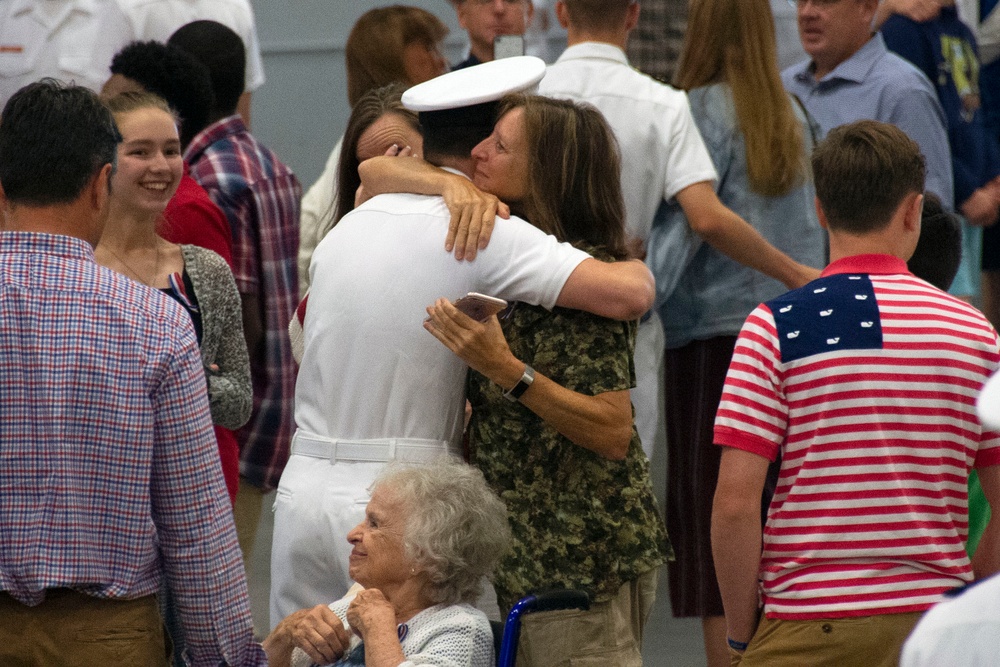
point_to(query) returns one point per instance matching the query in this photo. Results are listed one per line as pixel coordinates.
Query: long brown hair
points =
(574, 173)
(732, 42)
(374, 50)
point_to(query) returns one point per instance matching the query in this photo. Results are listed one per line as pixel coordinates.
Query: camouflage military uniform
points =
(578, 520)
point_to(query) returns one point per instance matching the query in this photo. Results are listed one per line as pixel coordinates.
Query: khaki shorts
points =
(862, 641)
(610, 633)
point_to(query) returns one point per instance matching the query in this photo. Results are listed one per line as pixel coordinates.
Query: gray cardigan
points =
(229, 391)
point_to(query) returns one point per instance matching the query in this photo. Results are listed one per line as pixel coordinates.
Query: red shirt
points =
(193, 218)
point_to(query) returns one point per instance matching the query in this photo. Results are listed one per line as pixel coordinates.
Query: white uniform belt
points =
(411, 450)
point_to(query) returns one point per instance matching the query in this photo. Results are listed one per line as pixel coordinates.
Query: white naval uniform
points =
(54, 38)
(373, 384)
(958, 631)
(662, 153)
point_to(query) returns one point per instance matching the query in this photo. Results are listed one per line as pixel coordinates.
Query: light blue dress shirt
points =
(878, 85)
(702, 293)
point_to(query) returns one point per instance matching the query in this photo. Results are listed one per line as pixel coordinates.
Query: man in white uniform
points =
(75, 40)
(663, 158)
(54, 38)
(374, 385)
(962, 629)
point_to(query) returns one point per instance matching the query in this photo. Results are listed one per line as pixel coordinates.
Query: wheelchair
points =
(506, 636)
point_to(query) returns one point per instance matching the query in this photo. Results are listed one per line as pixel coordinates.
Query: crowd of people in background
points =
(761, 234)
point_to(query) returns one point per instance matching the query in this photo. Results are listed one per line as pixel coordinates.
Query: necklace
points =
(135, 275)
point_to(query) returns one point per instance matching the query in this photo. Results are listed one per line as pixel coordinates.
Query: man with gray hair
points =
(851, 76)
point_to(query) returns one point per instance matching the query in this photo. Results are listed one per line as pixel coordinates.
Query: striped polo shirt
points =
(865, 381)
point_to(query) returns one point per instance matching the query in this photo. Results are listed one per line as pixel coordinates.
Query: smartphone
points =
(508, 46)
(479, 306)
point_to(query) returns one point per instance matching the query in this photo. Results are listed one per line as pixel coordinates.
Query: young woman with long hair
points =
(760, 140)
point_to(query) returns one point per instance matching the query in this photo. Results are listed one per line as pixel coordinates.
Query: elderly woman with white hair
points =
(430, 535)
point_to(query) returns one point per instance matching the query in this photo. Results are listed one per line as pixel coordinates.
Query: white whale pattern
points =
(793, 334)
(819, 290)
(867, 325)
(785, 309)
(826, 313)
(832, 341)
(860, 297)
(854, 278)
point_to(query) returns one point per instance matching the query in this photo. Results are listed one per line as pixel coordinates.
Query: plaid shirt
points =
(261, 198)
(654, 47)
(108, 467)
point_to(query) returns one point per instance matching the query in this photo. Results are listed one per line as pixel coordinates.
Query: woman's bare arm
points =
(600, 423)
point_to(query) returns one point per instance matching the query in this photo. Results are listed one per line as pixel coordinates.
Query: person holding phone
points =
(373, 386)
(552, 427)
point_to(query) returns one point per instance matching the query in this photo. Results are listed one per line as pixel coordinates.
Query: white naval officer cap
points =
(988, 403)
(468, 96)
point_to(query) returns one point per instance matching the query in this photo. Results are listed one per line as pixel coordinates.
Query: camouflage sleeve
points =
(586, 353)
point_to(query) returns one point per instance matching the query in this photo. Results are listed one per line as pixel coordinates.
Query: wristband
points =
(737, 646)
(522, 385)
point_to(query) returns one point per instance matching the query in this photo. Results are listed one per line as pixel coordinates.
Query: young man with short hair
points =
(260, 196)
(864, 381)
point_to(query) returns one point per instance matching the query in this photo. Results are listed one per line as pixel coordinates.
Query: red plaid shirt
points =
(261, 198)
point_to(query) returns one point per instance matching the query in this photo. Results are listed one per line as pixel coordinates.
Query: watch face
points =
(522, 385)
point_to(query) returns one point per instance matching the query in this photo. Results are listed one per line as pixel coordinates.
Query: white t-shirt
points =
(369, 369)
(662, 151)
(54, 38)
(959, 631)
(158, 19)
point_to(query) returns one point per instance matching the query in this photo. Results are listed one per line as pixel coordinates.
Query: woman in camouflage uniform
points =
(561, 450)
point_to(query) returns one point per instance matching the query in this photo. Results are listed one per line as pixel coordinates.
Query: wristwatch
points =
(522, 385)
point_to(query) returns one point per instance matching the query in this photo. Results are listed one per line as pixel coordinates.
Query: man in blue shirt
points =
(852, 76)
